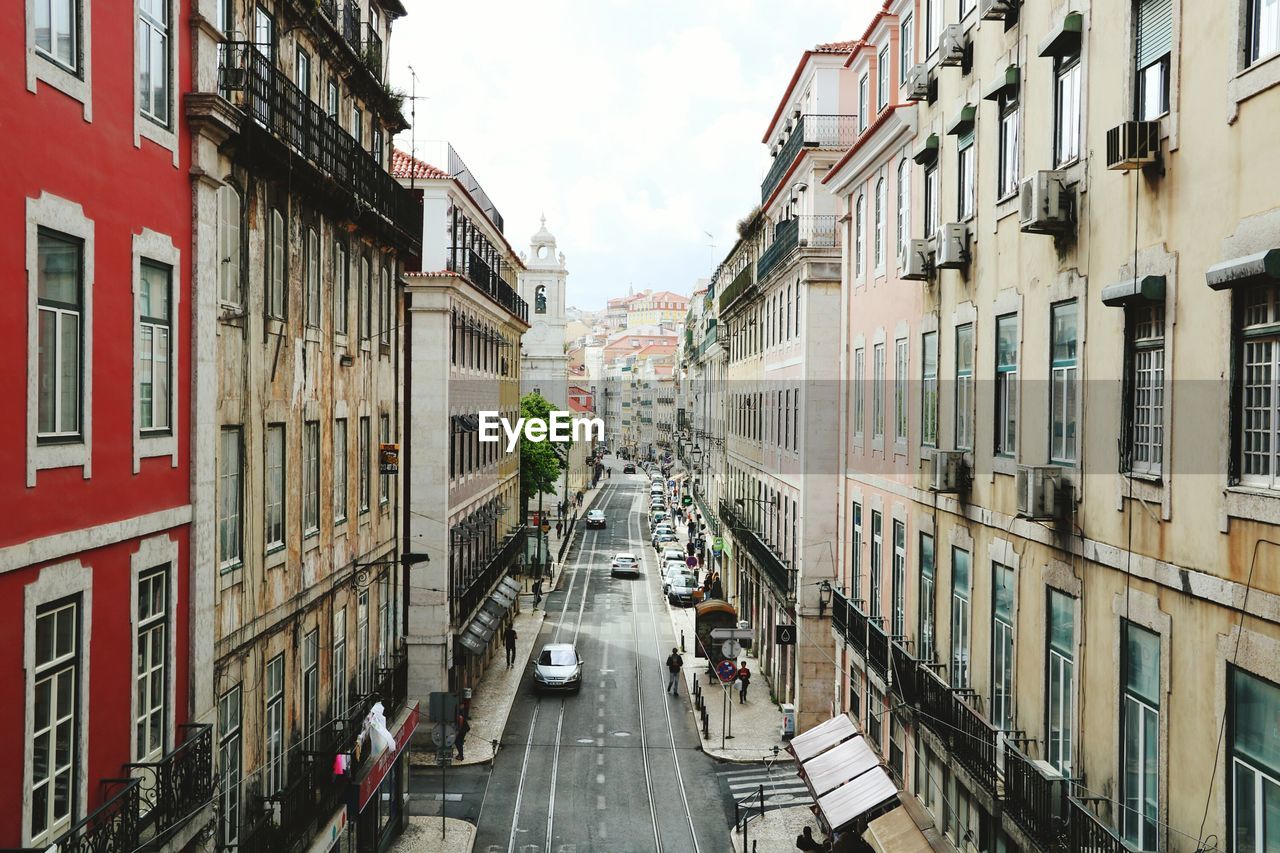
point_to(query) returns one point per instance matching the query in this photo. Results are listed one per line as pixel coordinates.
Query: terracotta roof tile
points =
(836, 46)
(405, 165)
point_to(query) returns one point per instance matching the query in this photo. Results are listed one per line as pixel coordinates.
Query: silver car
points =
(558, 668)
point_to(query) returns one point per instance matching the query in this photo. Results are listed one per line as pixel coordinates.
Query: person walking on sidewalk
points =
(461, 736)
(744, 681)
(559, 528)
(805, 841)
(509, 638)
(674, 665)
(537, 593)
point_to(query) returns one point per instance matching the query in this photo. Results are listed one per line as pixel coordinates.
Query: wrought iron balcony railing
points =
(816, 232)
(175, 788)
(849, 621)
(329, 8)
(906, 676)
(351, 24)
(470, 596)
(813, 131)
(877, 647)
(372, 54)
(272, 103)
(974, 743)
(488, 279)
(771, 565)
(113, 827)
(1088, 832)
(1036, 801)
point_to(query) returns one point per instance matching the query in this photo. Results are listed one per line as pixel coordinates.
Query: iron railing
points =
(1036, 801)
(816, 232)
(372, 54)
(771, 565)
(877, 647)
(849, 621)
(113, 827)
(974, 743)
(273, 103)
(488, 279)
(905, 673)
(172, 790)
(329, 8)
(744, 279)
(473, 594)
(463, 175)
(351, 24)
(812, 131)
(1087, 832)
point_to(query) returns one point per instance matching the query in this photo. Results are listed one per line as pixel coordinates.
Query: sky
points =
(633, 125)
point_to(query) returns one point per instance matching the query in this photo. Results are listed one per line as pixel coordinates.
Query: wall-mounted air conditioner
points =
(916, 262)
(953, 246)
(917, 83)
(1133, 144)
(996, 10)
(1038, 487)
(951, 45)
(950, 471)
(1045, 204)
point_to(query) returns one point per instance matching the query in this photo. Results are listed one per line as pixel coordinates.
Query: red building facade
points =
(95, 482)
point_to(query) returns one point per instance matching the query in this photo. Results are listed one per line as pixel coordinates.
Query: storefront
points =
(376, 802)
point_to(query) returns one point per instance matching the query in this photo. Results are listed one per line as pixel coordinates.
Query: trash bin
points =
(788, 720)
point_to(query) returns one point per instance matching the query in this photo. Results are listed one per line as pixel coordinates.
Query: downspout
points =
(404, 405)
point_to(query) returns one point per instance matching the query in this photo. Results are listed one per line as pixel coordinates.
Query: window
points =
(60, 371)
(388, 308)
(154, 327)
(882, 79)
(1154, 34)
(341, 284)
(881, 199)
(904, 207)
(363, 685)
(1140, 737)
(310, 687)
(1253, 707)
(855, 555)
(1002, 581)
(928, 607)
(863, 106)
(273, 497)
(313, 278)
(1061, 673)
(965, 175)
(230, 497)
(900, 391)
(876, 554)
(378, 147)
(339, 674)
(905, 48)
(273, 727)
(152, 663)
(1066, 109)
(302, 72)
(933, 25)
(310, 478)
(877, 392)
(875, 716)
(931, 212)
(229, 244)
(54, 745)
(1062, 384)
(859, 379)
(1264, 30)
(365, 308)
(357, 125)
(899, 592)
(1007, 174)
(340, 450)
(1258, 319)
(929, 390)
(966, 6)
(897, 754)
(264, 32)
(1006, 427)
(229, 757)
(332, 99)
(385, 627)
(276, 275)
(1146, 387)
(795, 419)
(57, 29)
(860, 237)
(384, 434)
(964, 387)
(153, 60)
(365, 462)
(959, 618)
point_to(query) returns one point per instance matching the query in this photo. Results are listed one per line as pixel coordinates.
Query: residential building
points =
(464, 320)
(105, 699)
(300, 238)
(654, 309)
(701, 402)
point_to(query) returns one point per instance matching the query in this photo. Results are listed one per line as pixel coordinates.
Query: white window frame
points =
(860, 238)
(901, 366)
(387, 314)
(273, 721)
(1260, 778)
(338, 661)
(932, 193)
(310, 687)
(311, 502)
(964, 387)
(313, 307)
(1258, 331)
(1008, 161)
(877, 390)
(67, 217)
(928, 391)
(906, 47)
(875, 577)
(156, 555)
(1006, 390)
(365, 495)
(146, 126)
(230, 748)
(879, 224)
(77, 82)
(864, 96)
(277, 295)
(1147, 716)
(1060, 670)
(904, 208)
(1255, 52)
(364, 682)
(1067, 77)
(898, 581)
(384, 480)
(1002, 650)
(226, 480)
(230, 246)
(152, 246)
(275, 452)
(341, 454)
(882, 79)
(1146, 342)
(928, 628)
(859, 390)
(966, 164)
(1064, 379)
(961, 617)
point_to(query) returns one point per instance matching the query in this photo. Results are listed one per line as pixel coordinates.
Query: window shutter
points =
(233, 244)
(277, 262)
(1155, 30)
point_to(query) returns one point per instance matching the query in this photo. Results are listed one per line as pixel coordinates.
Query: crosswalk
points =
(782, 787)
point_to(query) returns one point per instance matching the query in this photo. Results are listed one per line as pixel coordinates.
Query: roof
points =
(835, 47)
(405, 165)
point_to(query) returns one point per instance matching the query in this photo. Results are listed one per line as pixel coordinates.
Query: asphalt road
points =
(615, 767)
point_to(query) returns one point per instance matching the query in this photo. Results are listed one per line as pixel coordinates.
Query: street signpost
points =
(726, 670)
(717, 544)
(731, 634)
(731, 649)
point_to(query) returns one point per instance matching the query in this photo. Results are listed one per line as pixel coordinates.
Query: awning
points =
(1147, 288)
(896, 832)
(822, 737)
(1065, 37)
(371, 776)
(964, 121)
(833, 768)
(1006, 83)
(928, 152)
(1260, 268)
(855, 798)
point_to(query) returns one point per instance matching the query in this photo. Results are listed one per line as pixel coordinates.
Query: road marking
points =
(644, 749)
(600, 802)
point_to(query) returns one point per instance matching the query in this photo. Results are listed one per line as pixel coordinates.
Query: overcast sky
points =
(634, 125)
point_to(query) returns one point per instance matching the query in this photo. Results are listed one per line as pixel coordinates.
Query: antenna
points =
(413, 121)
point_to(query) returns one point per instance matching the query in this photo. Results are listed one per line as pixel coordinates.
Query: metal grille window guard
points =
(815, 232)
(813, 131)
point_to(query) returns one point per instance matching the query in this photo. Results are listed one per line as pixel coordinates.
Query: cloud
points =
(634, 126)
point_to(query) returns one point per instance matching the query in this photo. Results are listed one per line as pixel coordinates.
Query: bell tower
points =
(543, 363)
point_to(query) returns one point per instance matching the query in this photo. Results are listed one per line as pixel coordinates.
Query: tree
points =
(540, 465)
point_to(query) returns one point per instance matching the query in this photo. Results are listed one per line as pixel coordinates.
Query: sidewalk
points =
(422, 835)
(775, 830)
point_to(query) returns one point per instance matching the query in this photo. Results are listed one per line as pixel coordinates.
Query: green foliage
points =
(540, 465)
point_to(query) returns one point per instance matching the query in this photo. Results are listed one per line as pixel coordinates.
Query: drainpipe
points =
(404, 406)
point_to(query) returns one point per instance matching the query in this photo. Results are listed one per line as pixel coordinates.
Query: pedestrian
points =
(509, 638)
(744, 681)
(460, 737)
(559, 528)
(806, 841)
(537, 593)
(674, 664)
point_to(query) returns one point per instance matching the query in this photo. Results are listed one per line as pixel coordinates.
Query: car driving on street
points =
(625, 563)
(595, 518)
(558, 668)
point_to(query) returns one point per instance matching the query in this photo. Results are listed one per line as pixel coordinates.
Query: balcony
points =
(1036, 801)
(974, 743)
(350, 26)
(174, 789)
(488, 279)
(877, 647)
(849, 621)
(813, 131)
(813, 232)
(744, 279)
(113, 827)
(329, 8)
(1087, 832)
(281, 126)
(372, 53)
(770, 564)
(472, 594)
(906, 678)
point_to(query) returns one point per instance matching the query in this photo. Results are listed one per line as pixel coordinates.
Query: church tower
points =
(543, 363)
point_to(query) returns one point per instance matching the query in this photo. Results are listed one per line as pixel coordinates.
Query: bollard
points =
(681, 641)
(706, 732)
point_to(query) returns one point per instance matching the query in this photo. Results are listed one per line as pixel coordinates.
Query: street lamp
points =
(361, 578)
(824, 596)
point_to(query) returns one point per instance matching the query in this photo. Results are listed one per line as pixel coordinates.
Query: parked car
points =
(683, 588)
(625, 563)
(673, 554)
(558, 668)
(595, 518)
(658, 517)
(664, 540)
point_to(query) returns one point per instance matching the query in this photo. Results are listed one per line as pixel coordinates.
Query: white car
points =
(595, 518)
(625, 563)
(683, 588)
(673, 554)
(558, 668)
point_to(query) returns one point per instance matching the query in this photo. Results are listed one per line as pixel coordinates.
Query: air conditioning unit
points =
(917, 84)
(1038, 487)
(1045, 204)
(949, 470)
(996, 10)
(953, 246)
(1133, 144)
(951, 47)
(916, 263)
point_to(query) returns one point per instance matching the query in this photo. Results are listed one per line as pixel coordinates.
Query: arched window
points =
(860, 236)
(540, 299)
(879, 235)
(904, 206)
